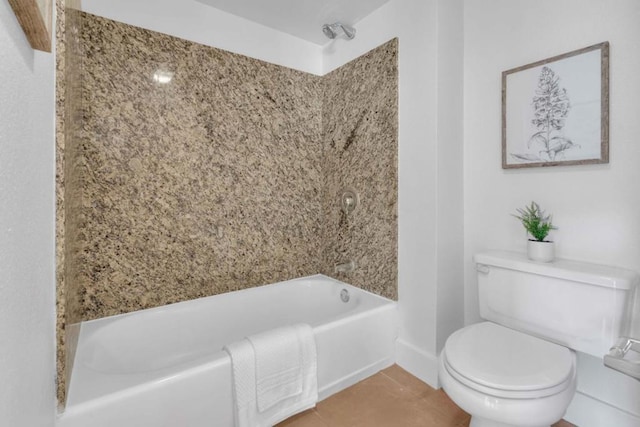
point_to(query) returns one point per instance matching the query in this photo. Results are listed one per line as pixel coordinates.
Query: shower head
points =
(334, 30)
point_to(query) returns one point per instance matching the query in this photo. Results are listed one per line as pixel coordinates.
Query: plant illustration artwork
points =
(551, 107)
(555, 112)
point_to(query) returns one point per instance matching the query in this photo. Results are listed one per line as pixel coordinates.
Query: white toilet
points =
(519, 367)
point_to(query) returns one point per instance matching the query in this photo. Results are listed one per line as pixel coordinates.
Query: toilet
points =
(518, 367)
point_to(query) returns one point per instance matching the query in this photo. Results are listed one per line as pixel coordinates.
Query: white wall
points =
(27, 355)
(450, 219)
(430, 169)
(197, 22)
(597, 208)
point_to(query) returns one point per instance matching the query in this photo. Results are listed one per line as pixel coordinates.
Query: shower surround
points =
(360, 138)
(227, 176)
(202, 185)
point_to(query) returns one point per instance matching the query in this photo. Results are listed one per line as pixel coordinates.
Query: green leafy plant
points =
(535, 221)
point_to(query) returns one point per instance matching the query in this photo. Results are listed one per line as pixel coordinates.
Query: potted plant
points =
(538, 225)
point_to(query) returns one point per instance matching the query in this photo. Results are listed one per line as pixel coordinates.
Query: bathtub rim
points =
(235, 292)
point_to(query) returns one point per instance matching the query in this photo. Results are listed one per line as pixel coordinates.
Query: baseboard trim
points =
(418, 362)
(354, 378)
(587, 411)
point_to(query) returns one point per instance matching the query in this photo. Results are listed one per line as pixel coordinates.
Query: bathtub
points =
(165, 366)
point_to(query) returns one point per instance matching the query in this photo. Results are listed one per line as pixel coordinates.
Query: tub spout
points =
(347, 267)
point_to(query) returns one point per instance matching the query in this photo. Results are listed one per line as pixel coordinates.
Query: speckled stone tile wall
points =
(203, 185)
(360, 136)
(68, 185)
(60, 214)
(227, 177)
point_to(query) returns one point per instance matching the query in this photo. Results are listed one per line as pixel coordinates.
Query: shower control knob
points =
(350, 200)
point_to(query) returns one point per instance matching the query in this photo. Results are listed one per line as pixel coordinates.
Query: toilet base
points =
(483, 422)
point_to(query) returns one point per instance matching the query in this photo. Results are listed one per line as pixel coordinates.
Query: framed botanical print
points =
(556, 111)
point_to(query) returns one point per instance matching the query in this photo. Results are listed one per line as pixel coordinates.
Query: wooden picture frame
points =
(556, 111)
(35, 17)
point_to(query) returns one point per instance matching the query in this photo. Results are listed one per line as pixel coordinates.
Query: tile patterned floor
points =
(391, 398)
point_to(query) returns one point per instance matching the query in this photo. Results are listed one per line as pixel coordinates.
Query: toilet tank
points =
(578, 305)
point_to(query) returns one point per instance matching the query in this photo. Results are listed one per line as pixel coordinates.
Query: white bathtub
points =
(165, 366)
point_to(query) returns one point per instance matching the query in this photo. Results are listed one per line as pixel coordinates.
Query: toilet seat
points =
(505, 363)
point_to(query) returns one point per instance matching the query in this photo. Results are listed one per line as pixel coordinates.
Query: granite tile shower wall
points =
(226, 177)
(61, 102)
(360, 133)
(203, 185)
(68, 183)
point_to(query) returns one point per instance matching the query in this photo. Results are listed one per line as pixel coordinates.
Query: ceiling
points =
(300, 18)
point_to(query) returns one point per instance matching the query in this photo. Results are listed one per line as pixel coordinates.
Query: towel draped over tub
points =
(274, 375)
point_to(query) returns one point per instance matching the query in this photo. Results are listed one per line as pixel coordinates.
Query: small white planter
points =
(541, 251)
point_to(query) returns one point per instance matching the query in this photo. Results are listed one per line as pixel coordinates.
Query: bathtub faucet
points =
(347, 267)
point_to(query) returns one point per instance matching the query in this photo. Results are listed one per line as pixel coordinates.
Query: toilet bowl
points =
(506, 378)
(518, 368)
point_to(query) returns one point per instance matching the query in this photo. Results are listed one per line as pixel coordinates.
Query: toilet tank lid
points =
(577, 271)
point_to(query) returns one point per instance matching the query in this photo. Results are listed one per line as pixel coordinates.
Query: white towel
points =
(244, 382)
(274, 375)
